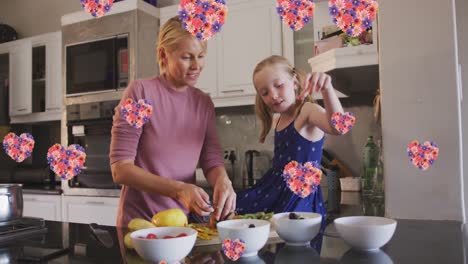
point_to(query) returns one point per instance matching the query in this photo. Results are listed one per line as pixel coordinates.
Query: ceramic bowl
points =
(255, 238)
(297, 232)
(365, 232)
(164, 249)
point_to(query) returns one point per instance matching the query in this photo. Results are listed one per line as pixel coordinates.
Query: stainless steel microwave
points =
(97, 66)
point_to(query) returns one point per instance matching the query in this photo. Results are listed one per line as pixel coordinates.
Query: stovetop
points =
(26, 229)
(21, 228)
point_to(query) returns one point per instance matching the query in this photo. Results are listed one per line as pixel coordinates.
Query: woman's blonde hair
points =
(263, 112)
(170, 35)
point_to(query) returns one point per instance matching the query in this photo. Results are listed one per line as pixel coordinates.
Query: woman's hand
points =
(224, 197)
(316, 82)
(194, 199)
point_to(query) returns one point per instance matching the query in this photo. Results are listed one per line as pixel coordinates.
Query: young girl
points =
(299, 135)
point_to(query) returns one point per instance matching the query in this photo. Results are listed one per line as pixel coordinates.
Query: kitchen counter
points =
(42, 189)
(415, 241)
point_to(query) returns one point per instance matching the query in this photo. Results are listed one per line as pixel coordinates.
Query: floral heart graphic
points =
(137, 113)
(295, 13)
(422, 155)
(18, 148)
(97, 8)
(203, 18)
(353, 16)
(302, 179)
(66, 162)
(343, 122)
(233, 249)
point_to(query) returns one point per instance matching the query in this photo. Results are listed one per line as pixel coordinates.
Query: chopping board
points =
(215, 240)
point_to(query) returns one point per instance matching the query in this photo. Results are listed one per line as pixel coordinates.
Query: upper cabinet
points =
(34, 78)
(252, 32)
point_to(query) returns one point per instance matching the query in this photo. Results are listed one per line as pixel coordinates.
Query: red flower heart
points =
(295, 13)
(422, 155)
(202, 19)
(66, 162)
(343, 122)
(353, 16)
(18, 148)
(302, 179)
(233, 249)
(97, 8)
(137, 113)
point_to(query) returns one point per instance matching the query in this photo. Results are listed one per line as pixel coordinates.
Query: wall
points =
(48, 12)
(462, 35)
(420, 101)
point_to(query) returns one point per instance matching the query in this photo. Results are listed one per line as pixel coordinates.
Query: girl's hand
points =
(316, 82)
(224, 197)
(194, 199)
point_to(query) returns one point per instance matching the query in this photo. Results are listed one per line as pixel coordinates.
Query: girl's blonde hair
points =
(170, 35)
(263, 112)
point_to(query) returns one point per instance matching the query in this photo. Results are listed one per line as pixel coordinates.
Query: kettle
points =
(249, 156)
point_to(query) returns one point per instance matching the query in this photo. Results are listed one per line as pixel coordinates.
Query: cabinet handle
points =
(30, 199)
(52, 108)
(233, 91)
(22, 109)
(95, 203)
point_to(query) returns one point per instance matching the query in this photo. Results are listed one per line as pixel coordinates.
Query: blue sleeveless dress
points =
(271, 194)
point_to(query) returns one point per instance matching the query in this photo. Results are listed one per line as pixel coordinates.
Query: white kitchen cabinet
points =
(252, 32)
(35, 77)
(48, 207)
(90, 209)
(20, 78)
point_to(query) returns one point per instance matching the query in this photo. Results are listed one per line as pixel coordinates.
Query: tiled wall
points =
(239, 127)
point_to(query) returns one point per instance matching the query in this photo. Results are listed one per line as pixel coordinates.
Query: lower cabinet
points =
(48, 207)
(90, 209)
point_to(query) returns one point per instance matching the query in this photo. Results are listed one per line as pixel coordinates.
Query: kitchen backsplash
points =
(239, 128)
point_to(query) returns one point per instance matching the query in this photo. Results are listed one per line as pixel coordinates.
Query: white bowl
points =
(169, 250)
(365, 232)
(297, 232)
(254, 238)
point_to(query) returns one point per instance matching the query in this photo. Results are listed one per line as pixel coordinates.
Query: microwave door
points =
(90, 67)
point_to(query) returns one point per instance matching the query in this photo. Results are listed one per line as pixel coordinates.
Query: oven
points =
(89, 125)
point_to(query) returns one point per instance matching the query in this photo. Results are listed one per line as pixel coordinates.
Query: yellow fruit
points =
(170, 217)
(138, 223)
(128, 241)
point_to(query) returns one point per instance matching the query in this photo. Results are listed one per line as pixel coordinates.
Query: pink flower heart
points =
(136, 113)
(18, 148)
(97, 8)
(66, 162)
(202, 19)
(233, 249)
(353, 16)
(343, 122)
(422, 155)
(302, 180)
(295, 13)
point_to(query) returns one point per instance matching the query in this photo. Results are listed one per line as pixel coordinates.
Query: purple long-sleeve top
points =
(180, 134)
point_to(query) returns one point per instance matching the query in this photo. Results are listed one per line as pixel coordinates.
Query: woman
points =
(156, 163)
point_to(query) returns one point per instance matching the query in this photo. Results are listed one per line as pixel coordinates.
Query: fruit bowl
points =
(295, 231)
(168, 244)
(253, 232)
(365, 232)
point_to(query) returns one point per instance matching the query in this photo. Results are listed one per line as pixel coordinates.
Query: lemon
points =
(128, 241)
(170, 217)
(138, 223)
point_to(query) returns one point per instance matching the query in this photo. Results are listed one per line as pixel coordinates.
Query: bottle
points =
(371, 156)
(378, 190)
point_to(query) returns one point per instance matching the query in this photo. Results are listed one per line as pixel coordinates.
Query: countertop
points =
(415, 241)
